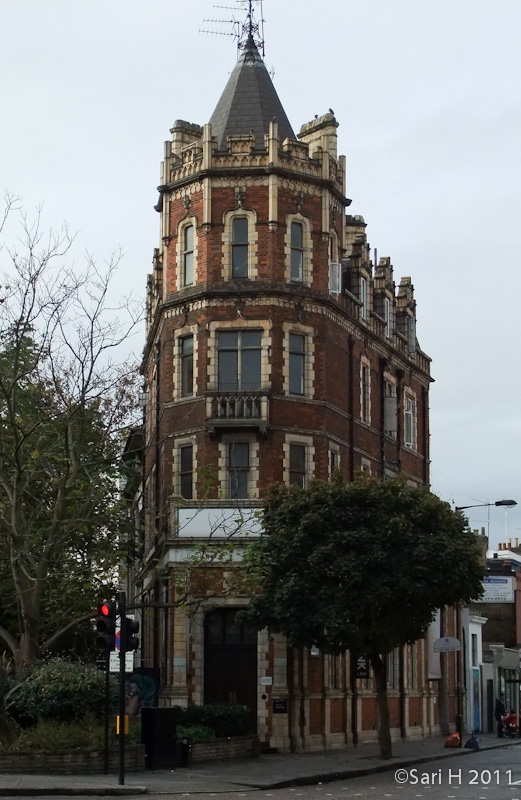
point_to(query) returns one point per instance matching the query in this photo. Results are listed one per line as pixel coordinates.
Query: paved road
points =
(487, 775)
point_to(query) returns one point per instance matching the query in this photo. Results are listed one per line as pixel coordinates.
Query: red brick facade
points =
(291, 352)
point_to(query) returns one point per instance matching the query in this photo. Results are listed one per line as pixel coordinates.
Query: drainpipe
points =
(350, 407)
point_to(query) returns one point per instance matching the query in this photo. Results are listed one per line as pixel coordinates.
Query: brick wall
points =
(71, 762)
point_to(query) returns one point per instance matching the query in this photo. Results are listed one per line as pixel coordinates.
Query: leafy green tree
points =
(65, 403)
(361, 567)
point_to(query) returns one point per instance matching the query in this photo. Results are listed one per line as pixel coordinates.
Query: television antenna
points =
(241, 31)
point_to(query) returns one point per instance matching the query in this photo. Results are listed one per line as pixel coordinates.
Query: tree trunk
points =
(384, 732)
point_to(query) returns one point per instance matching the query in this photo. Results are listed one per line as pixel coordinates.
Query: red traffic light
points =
(106, 625)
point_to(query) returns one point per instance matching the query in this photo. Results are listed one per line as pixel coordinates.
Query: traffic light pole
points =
(122, 647)
(107, 689)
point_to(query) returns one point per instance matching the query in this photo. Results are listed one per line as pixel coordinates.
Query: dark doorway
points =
(230, 660)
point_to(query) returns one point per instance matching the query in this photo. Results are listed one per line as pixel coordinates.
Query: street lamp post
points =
(506, 504)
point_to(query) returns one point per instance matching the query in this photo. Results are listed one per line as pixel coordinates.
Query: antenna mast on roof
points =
(243, 31)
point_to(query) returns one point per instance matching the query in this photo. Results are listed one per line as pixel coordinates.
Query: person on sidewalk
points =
(499, 713)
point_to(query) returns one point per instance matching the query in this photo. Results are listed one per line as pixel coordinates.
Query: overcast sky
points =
(427, 96)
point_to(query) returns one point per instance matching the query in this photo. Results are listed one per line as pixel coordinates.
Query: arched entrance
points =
(230, 660)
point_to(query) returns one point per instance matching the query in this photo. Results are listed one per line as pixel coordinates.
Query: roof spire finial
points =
(251, 29)
(244, 32)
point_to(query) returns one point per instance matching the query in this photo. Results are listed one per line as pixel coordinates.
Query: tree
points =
(361, 567)
(65, 404)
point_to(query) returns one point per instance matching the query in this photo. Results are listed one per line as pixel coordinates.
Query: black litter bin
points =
(158, 734)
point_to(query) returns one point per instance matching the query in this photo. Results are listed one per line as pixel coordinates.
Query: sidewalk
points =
(266, 772)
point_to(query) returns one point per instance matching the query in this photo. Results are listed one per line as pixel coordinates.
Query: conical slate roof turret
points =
(249, 102)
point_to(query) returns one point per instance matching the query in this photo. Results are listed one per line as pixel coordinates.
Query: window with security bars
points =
(240, 247)
(186, 460)
(188, 255)
(297, 251)
(239, 360)
(186, 357)
(238, 469)
(297, 465)
(297, 344)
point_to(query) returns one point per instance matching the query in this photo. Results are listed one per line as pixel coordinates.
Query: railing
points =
(237, 408)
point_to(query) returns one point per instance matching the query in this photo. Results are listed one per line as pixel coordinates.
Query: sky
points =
(427, 96)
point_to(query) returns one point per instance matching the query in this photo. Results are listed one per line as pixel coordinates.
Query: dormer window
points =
(297, 251)
(240, 247)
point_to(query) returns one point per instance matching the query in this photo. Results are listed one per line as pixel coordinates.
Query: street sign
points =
(446, 644)
(362, 667)
(114, 654)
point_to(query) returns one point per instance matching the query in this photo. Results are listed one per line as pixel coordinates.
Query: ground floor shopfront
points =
(300, 699)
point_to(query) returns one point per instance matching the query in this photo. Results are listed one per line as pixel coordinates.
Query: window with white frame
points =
(239, 360)
(365, 392)
(186, 471)
(364, 298)
(297, 251)
(238, 470)
(297, 465)
(298, 246)
(186, 252)
(188, 255)
(240, 247)
(409, 420)
(185, 362)
(333, 459)
(184, 468)
(365, 466)
(186, 358)
(297, 348)
(299, 460)
(299, 358)
(390, 409)
(239, 466)
(239, 239)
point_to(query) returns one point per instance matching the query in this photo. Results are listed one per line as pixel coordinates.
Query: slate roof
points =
(249, 102)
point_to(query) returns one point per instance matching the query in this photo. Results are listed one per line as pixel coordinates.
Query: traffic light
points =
(106, 626)
(131, 640)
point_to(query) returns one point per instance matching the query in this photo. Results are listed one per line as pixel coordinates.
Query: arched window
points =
(188, 255)
(240, 247)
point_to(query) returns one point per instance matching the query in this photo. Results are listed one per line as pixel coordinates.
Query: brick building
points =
(276, 351)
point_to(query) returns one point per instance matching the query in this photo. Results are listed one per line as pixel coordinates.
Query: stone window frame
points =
(181, 333)
(365, 466)
(307, 441)
(224, 466)
(227, 241)
(184, 441)
(215, 326)
(333, 454)
(307, 249)
(309, 358)
(409, 396)
(390, 381)
(364, 299)
(334, 246)
(185, 223)
(365, 409)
